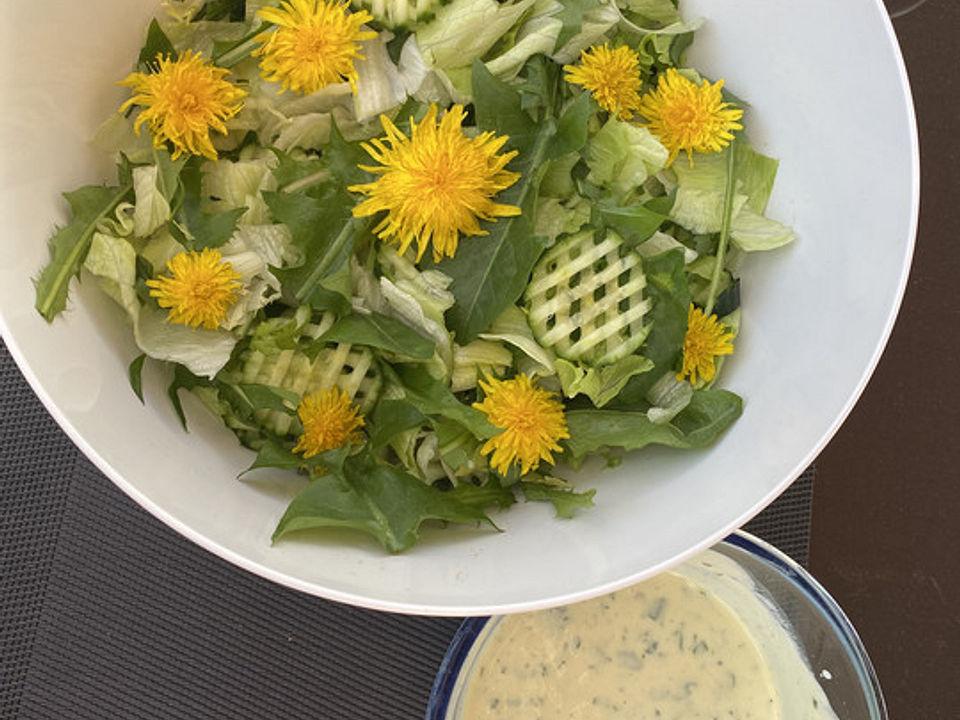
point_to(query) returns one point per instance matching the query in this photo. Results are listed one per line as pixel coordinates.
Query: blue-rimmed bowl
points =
(827, 640)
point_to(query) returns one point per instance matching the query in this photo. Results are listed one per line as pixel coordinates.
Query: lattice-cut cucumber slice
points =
(399, 13)
(351, 368)
(585, 299)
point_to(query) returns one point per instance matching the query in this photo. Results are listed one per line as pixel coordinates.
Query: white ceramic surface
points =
(816, 317)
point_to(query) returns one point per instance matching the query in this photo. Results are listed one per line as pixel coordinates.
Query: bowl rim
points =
(420, 608)
(460, 646)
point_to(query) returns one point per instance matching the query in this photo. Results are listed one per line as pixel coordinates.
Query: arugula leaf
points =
(432, 397)
(135, 373)
(667, 287)
(157, 43)
(489, 273)
(392, 417)
(379, 331)
(69, 245)
(324, 229)
(376, 498)
(709, 413)
(565, 500)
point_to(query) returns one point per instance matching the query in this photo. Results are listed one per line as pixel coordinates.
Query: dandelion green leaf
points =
(70, 244)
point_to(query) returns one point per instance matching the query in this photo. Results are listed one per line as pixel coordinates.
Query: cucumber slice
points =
(585, 299)
(399, 13)
(351, 368)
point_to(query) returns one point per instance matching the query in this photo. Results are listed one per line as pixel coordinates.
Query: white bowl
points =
(816, 317)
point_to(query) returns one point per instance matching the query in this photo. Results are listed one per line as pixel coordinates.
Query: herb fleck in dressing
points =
(666, 649)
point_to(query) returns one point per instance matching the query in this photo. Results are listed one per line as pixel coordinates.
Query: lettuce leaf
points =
(600, 384)
(621, 156)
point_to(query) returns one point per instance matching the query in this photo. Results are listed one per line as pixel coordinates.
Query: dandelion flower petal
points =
(531, 420)
(182, 101)
(199, 289)
(330, 420)
(314, 44)
(436, 184)
(611, 76)
(706, 338)
(689, 117)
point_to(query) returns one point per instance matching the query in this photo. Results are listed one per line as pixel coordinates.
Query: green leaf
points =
(709, 413)
(489, 494)
(157, 43)
(432, 397)
(572, 18)
(379, 331)
(571, 133)
(344, 158)
(324, 229)
(392, 417)
(565, 501)
(198, 228)
(230, 10)
(69, 245)
(667, 288)
(268, 397)
(600, 384)
(135, 373)
(377, 499)
(490, 273)
(183, 379)
(634, 223)
(298, 175)
(273, 455)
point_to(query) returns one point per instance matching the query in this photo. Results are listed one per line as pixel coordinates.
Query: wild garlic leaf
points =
(571, 133)
(708, 414)
(69, 245)
(491, 272)
(375, 498)
(382, 332)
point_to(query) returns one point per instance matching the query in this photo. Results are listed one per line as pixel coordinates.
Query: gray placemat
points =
(106, 613)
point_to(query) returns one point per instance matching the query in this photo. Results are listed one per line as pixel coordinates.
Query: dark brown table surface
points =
(886, 520)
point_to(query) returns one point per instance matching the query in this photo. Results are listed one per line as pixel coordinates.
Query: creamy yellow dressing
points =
(666, 649)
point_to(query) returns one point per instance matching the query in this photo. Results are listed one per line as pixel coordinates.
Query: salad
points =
(427, 253)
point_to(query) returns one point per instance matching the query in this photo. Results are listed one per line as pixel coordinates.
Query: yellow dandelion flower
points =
(199, 289)
(706, 338)
(690, 117)
(182, 101)
(314, 44)
(531, 418)
(611, 76)
(329, 420)
(436, 184)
